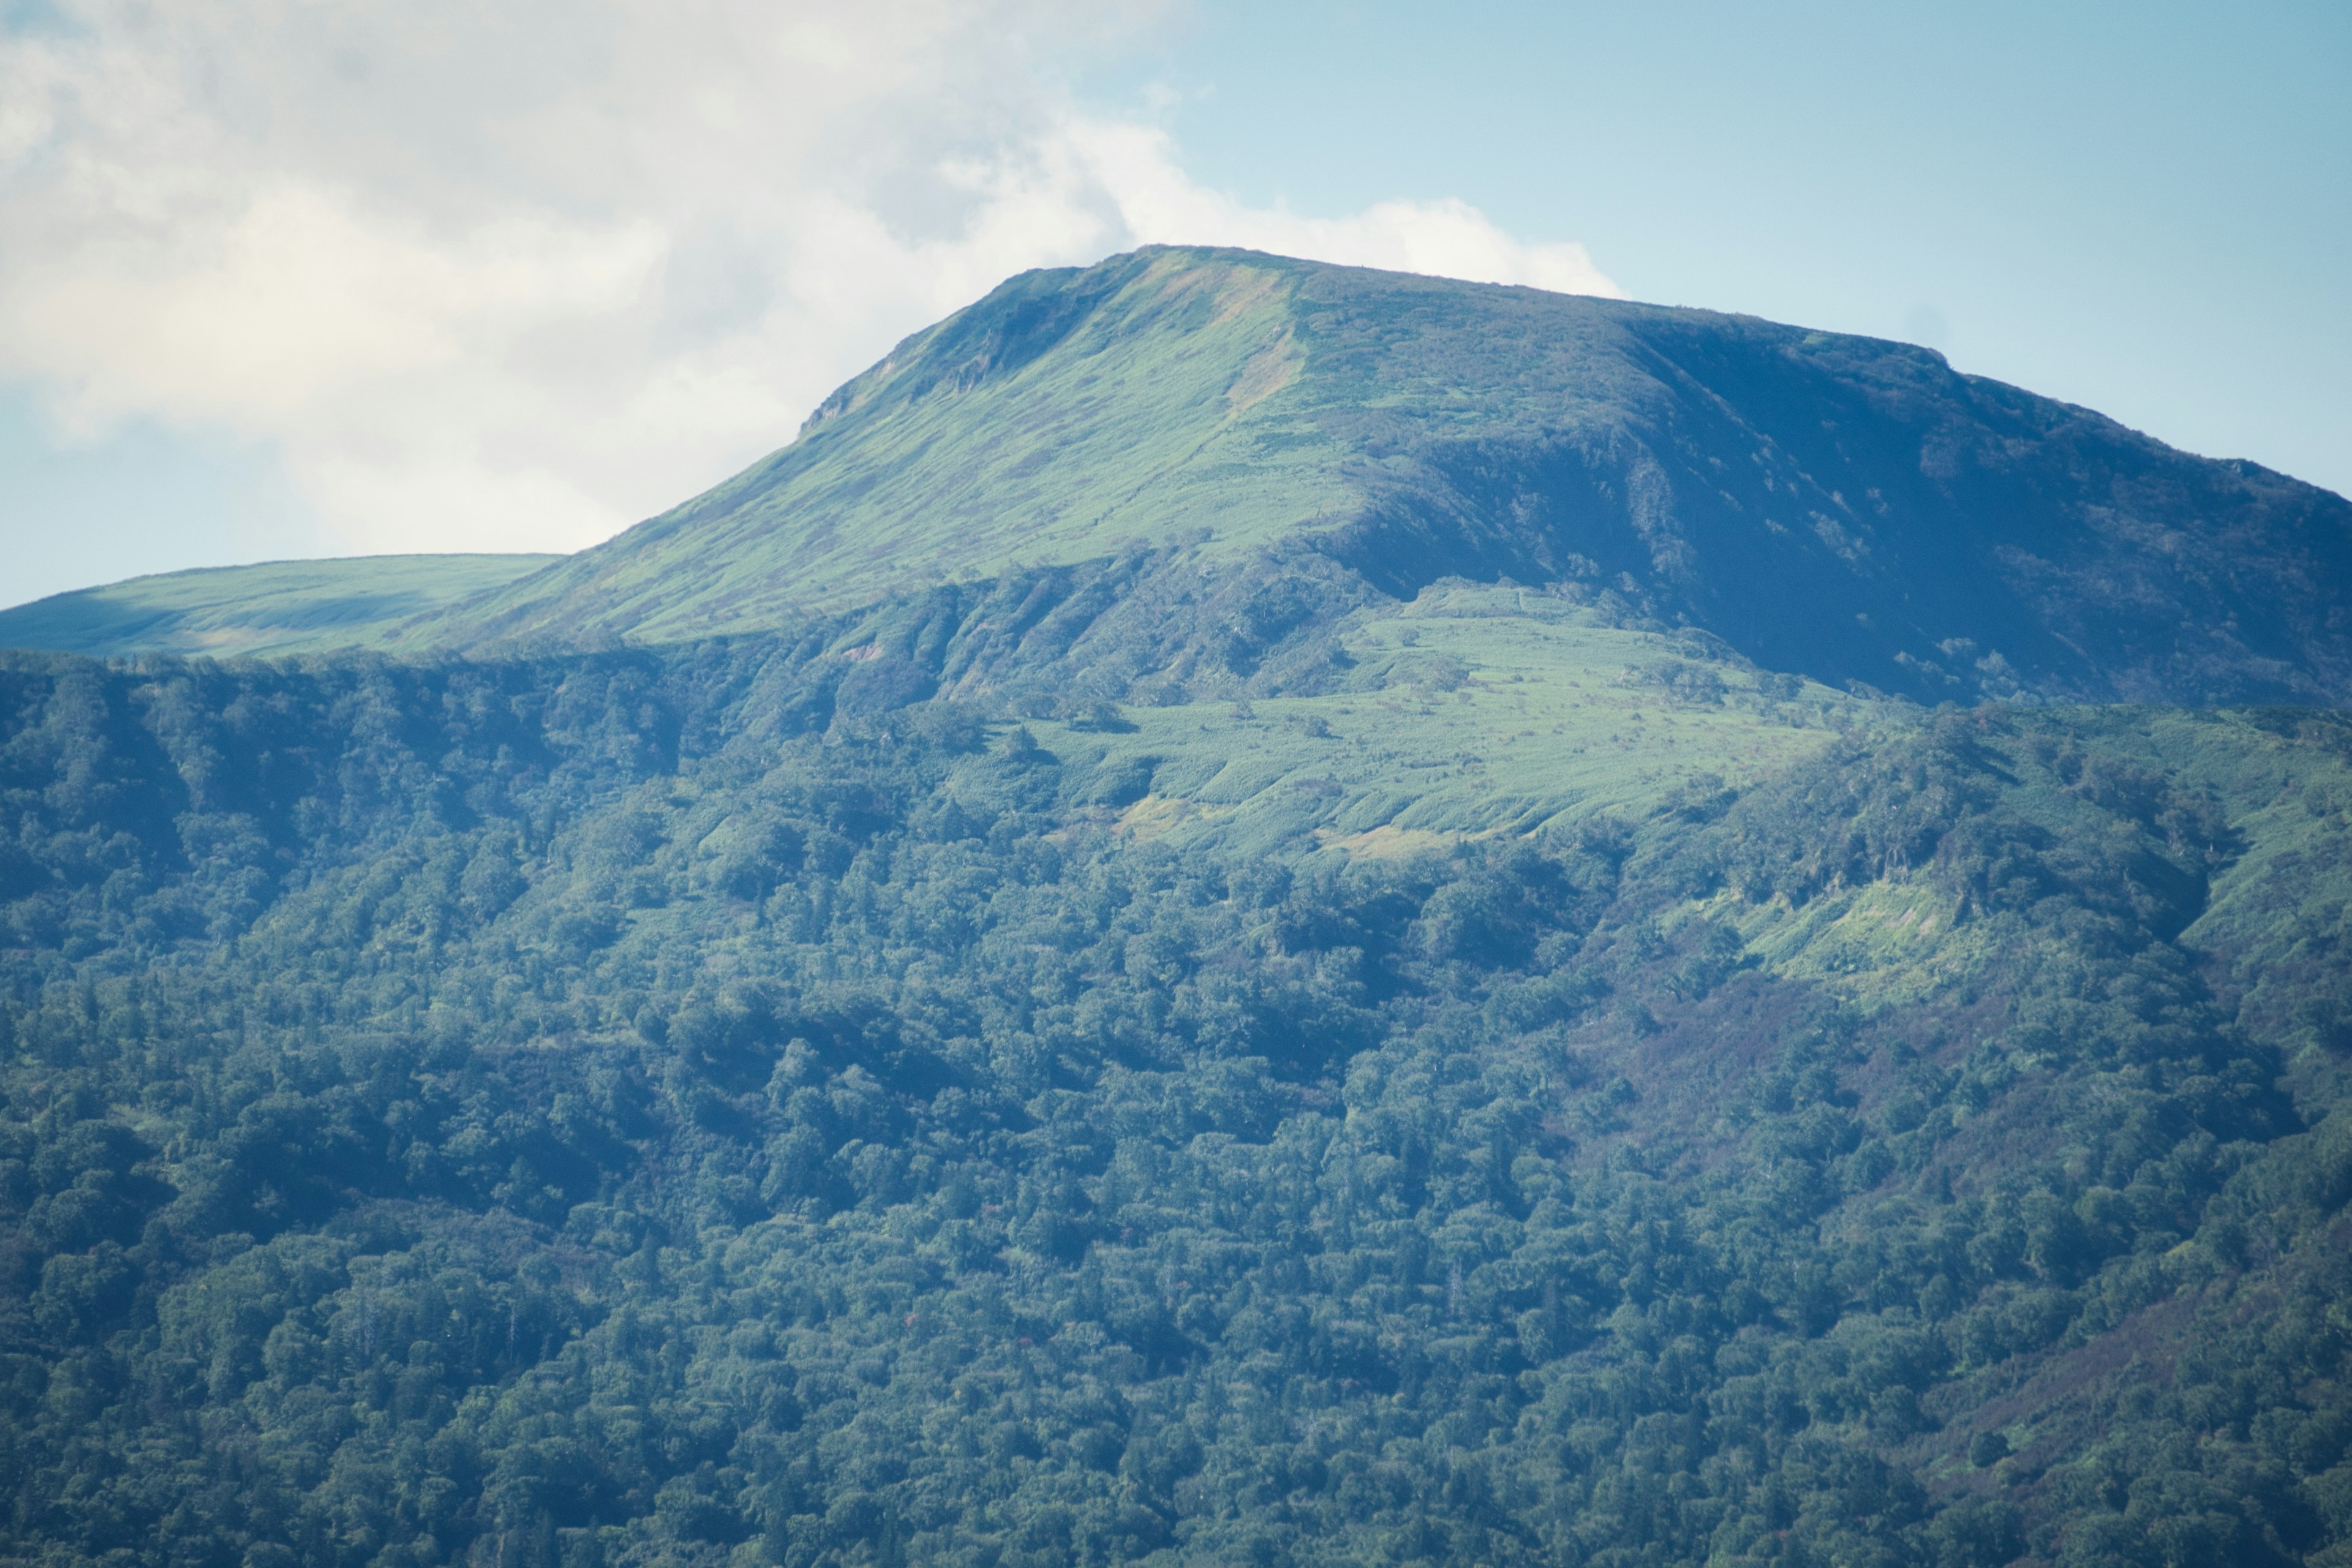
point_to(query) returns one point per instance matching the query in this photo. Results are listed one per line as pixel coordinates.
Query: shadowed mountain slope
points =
(1848, 507)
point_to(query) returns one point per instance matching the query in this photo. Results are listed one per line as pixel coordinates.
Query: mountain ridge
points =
(1953, 537)
(1230, 431)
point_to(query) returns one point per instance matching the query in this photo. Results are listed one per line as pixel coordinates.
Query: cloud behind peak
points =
(511, 276)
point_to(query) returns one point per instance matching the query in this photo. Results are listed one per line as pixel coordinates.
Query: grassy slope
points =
(2281, 779)
(1159, 418)
(282, 606)
(1949, 537)
(1470, 712)
(1233, 416)
(1226, 400)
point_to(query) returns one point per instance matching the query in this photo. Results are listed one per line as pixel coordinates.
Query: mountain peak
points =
(1302, 437)
(1845, 507)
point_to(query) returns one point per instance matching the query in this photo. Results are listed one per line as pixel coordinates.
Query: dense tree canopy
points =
(638, 1108)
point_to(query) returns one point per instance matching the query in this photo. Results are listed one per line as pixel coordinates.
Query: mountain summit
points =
(1848, 507)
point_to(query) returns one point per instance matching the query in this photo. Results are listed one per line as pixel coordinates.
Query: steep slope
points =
(1850, 509)
(282, 606)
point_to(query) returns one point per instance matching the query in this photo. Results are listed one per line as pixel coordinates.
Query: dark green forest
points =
(631, 1109)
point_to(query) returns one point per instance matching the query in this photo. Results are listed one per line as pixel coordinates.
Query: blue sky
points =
(2145, 208)
(514, 274)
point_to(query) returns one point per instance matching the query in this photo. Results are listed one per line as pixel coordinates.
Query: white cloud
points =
(1447, 238)
(514, 274)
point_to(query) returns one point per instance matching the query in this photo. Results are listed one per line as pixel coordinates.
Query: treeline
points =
(646, 1109)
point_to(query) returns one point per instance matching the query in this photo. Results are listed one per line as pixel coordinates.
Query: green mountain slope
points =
(1468, 714)
(283, 606)
(1838, 507)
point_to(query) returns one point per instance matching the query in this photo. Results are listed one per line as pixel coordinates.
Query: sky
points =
(285, 278)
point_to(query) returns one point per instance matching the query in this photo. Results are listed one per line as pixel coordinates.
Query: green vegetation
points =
(1214, 925)
(1242, 417)
(1465, 713)
(1059, 425)
(284, 606)
(683, 1108)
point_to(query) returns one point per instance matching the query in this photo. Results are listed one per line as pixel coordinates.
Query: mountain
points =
(1226, 920)
(1838, 507)
(283, 606)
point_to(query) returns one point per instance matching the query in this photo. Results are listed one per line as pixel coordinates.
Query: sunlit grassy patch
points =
(1470, 710)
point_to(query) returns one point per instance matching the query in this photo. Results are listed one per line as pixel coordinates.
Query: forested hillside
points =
(818, 1100)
